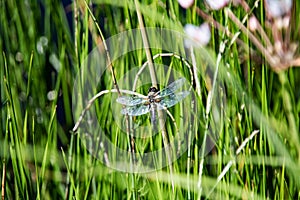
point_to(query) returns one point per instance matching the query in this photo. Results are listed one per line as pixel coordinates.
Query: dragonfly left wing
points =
(131, 100)
(135, 110)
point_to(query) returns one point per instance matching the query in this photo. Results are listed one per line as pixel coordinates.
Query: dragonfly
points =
(155, 100)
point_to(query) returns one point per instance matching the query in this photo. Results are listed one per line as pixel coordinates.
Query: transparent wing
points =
(131, 100)
(135, 110)
(171, 100)
(170, 89)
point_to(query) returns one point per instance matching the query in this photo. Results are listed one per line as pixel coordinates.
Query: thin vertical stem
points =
(3, 181)
(110, 66)
(207, 113)
(154, 83)
(146, 46)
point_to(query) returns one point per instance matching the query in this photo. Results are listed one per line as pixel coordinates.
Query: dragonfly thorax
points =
(151, 93)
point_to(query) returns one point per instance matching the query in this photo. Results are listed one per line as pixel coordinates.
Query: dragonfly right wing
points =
(171, 100)
(170, 89)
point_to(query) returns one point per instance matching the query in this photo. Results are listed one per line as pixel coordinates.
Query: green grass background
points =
(42, 159)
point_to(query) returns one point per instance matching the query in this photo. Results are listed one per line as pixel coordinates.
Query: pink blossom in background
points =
(253, 23)
(278, 8)
(186, 3)
(196, 35)
(217, 4)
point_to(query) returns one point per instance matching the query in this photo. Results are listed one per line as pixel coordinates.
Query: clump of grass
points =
(256, 153)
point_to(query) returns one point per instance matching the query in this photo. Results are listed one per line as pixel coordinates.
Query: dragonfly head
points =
(152, 90)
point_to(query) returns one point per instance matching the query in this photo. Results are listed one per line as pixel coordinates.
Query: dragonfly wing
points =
(135, 110)
(131, 100)
(171, 100)
(171, 88)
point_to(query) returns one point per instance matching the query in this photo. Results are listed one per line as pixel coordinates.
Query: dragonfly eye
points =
(153, 89)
